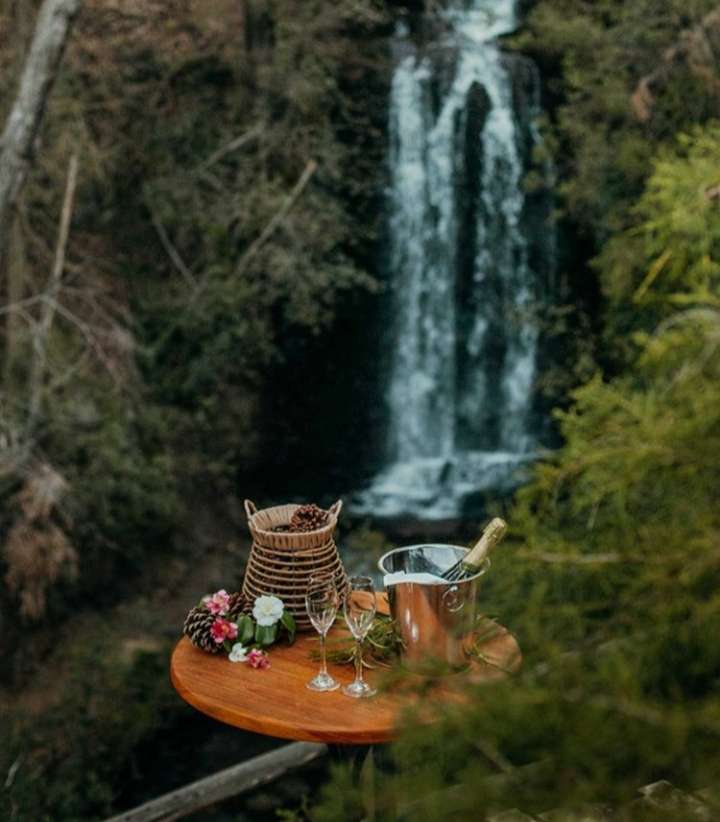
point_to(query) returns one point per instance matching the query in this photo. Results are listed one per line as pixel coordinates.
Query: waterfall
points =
(460, 395)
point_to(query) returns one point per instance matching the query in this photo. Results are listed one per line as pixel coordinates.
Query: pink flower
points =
(221, 630)
(258, 659)
(217, 603)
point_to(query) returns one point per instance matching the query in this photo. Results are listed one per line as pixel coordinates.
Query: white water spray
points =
(465, 342)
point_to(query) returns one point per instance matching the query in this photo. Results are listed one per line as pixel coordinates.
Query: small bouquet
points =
(230, 623)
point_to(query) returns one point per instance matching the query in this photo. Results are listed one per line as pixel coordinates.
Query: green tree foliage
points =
(620, 80)
(597, 52)
(224, 212)
(669, 258)
(68, 751)
(206, 248)
(613, 591)
(212, 346)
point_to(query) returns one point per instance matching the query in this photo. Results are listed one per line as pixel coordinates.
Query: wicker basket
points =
(281, 564)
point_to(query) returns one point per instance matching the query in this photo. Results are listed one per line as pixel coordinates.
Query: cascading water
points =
(465, 342)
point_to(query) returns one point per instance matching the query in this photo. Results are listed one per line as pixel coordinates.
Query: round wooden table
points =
(276, 702)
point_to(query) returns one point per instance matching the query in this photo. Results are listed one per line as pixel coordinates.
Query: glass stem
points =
(323, 663)
(358, 661)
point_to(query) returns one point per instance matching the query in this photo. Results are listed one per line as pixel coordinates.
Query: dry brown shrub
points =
(36, 549)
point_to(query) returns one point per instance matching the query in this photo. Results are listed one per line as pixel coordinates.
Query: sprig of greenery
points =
(381, 646)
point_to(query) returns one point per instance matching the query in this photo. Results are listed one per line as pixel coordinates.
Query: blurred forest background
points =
(212, 336)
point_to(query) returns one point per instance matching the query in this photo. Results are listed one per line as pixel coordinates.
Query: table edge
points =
(268, 726)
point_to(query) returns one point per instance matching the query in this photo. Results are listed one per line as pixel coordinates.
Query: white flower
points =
(267, 610)
(239, 653)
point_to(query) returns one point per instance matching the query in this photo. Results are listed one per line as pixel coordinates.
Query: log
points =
(224, 784)
(54, 22)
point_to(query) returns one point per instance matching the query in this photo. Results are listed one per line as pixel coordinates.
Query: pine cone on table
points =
(197, 629)
(308, 518)
(199, 621)
(239, 605)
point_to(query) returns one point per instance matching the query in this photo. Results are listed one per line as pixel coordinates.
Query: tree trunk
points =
(53, 25)
(19, 20)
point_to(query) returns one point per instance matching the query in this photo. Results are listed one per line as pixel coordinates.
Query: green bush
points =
(614, 592)
(70, 755)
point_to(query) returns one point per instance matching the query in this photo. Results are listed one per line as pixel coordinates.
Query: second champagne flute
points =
(360, 607)
(322, 601)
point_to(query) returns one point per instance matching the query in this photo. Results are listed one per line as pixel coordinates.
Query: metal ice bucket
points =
(435, 621)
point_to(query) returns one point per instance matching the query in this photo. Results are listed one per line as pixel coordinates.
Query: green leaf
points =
(288, 621)
(246, 629)
(265, 634)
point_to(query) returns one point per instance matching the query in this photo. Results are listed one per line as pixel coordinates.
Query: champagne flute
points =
(360, 608)
(322, 601)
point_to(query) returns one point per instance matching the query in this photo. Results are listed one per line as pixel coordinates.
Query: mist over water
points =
(465, 291)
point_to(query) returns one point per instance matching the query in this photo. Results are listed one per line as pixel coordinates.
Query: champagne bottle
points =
(471, 563)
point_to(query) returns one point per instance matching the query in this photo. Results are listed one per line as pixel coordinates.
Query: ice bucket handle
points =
(452, 600)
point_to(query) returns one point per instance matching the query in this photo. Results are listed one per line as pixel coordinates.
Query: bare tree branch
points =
(167, 244)
(54, 22)
(39, 362)
(89, 333)
(277, 220)
(255, 246)
(203, 170)
(75, 367)
(270, 228)
(20, 305)
(233, 145)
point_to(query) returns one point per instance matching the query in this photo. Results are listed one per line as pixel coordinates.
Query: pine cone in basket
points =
(197, 629)
(308, 518)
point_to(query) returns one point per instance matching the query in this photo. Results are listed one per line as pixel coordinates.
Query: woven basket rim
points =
(292, 507)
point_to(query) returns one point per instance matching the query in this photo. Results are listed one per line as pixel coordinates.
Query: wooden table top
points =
(276, 702)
